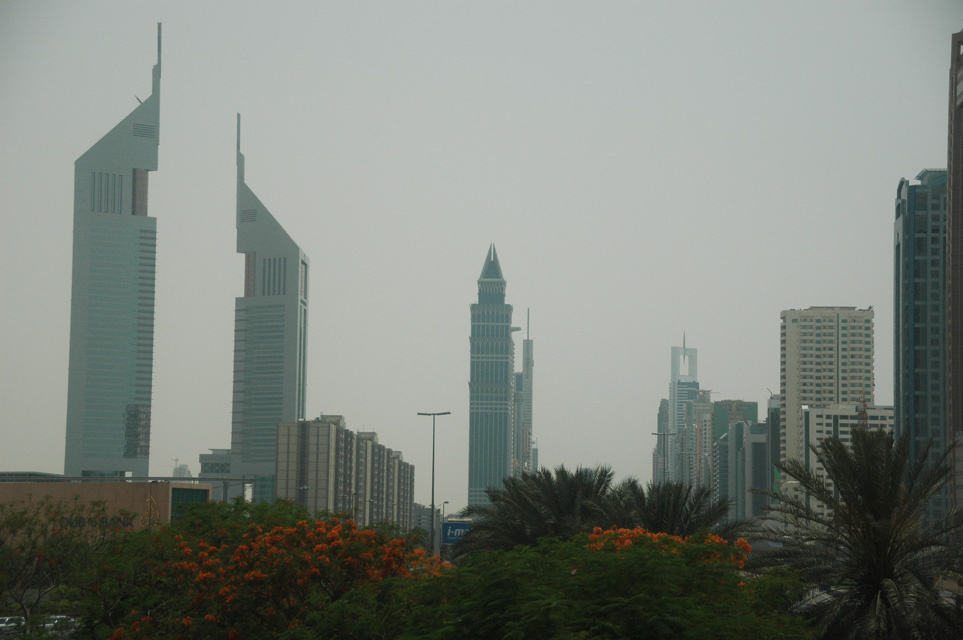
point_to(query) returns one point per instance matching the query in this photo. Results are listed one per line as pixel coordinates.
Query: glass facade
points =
(491, 385)
(919, 307)
(270, 339)
(112, 299)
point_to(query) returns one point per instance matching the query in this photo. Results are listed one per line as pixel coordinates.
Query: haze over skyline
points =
(643, 170)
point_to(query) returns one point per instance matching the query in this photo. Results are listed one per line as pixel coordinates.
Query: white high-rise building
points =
(826, 358)
(112, 298)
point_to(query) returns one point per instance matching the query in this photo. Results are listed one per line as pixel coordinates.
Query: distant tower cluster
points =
(500, 442)
(716, 445)
(676, 458)
(112, 298)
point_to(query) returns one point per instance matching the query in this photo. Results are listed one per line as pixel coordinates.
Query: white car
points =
(63, 624)
(11, 626)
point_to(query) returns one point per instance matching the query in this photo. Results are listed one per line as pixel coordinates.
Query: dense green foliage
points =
(618, 584)
(257, 571)
(876, 569)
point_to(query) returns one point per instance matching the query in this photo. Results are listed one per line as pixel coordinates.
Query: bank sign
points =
(453, 531)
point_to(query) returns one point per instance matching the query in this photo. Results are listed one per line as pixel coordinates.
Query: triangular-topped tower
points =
(491, 386)
(491, 283)
(110, 378)
(270, 344)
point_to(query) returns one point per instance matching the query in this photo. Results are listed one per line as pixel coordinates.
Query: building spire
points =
(491, 283)
(240, 156)
(157, 67)
(492, 270)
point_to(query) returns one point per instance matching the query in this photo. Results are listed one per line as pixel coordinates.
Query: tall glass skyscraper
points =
(919, 308)
(954, 264)
(491, 385)
(112, 298)
(270, 338)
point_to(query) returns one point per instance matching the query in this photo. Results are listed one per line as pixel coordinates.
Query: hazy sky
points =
(644, 169)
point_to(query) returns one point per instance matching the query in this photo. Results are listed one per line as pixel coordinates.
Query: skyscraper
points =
(491, 385)
(523, 459)
(112, 298)
(675, 453)
(919, 309)
(826, 357)
(683, 385)
(270, 340)
(954, 263)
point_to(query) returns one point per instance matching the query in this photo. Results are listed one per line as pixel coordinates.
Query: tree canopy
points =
(620, 583)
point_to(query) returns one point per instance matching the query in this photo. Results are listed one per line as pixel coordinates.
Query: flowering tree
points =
(268, 582)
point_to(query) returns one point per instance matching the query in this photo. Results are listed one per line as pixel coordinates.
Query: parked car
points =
(11, 626)
(59, 626)
(58, 622)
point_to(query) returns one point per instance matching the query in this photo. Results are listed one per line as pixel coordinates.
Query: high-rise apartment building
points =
(323, 466)
(838, 421)
(919, 309)
(112, 298)
(954, 264)
(826, 358)
(270, 340)
(491, 385)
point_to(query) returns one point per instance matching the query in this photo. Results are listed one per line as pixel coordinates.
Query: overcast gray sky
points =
(644, 169)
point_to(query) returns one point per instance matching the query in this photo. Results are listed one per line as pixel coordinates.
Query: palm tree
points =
(562, 504)
(874, 566)
(681, 510)
(668, 507)
(537, 505)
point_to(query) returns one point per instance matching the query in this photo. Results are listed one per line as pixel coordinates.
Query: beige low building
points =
(133, 504)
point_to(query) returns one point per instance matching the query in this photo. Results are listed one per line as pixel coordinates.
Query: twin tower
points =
(112, 316)
(112, 331)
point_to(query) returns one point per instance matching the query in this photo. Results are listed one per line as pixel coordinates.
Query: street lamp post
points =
(442, 545)
(433, 416)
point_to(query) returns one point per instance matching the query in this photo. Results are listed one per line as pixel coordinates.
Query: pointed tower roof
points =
(491, 283)
(491, 270)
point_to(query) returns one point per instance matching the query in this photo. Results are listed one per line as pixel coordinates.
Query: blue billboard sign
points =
(453, 531)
